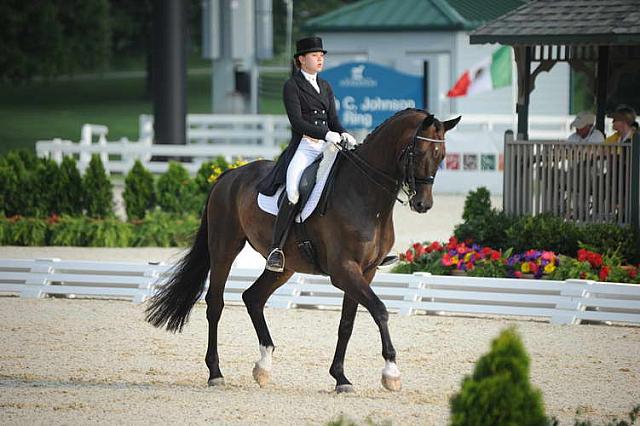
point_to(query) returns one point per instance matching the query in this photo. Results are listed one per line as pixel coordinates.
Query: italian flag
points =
(493, 72)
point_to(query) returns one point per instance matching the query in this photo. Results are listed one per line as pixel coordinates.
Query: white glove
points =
(350, 140)
(333, 137)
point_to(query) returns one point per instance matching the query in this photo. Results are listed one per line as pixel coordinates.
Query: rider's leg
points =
(305, 154)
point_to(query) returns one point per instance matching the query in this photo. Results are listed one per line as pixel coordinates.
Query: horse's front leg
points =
(349, 309)
(255, 297)
(351, 279)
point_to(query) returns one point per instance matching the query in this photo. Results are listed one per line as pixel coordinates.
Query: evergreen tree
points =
(99, 191)
(499, 392)
(72, 194)
(139, 195)
(176, 191)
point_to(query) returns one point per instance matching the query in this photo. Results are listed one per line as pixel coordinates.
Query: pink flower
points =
(409, 256)
(517, 274)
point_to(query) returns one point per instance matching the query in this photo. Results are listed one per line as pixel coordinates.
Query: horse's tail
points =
(172, 304)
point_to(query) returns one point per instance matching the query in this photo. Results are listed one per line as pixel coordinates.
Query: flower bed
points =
(466, 258)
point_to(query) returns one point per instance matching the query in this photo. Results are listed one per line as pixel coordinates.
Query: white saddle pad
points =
(270, 203)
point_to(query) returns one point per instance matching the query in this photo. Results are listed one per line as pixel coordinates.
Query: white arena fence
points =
(568, 302)
(242, 136)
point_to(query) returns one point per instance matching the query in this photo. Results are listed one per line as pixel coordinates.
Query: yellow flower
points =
(525, 267)
(549, 268)
(454, 260)
(467, 257)
(216, 171)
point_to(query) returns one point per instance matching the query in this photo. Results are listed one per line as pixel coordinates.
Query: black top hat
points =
(308, 45)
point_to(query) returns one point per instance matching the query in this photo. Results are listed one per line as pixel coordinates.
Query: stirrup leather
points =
(275, 260)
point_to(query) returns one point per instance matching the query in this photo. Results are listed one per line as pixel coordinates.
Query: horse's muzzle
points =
(420, 206)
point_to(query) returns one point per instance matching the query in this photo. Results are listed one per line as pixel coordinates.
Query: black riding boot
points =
(286, 214)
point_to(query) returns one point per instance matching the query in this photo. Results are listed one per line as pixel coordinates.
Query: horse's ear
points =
(450, 124)
(428, 121)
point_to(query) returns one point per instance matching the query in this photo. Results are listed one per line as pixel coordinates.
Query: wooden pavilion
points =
(582, 182)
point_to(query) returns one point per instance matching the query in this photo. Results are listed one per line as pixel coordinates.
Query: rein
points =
(410, 179)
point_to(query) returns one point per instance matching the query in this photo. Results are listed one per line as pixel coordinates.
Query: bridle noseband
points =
(407, 155)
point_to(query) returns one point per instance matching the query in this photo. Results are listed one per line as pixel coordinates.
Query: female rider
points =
(310, 106)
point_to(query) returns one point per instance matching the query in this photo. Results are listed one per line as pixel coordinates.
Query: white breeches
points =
(305, 154)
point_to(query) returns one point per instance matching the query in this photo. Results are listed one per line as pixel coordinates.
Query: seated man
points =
(585, 130)
(624, 118)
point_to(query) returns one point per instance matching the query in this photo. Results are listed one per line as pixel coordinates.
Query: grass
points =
(58, 109)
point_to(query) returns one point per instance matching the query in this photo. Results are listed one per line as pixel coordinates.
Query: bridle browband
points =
(408, 184)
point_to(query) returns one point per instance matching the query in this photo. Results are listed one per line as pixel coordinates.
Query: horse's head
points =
(421, 158)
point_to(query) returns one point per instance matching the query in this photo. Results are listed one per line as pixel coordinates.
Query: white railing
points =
(568, 302)
(246, 136)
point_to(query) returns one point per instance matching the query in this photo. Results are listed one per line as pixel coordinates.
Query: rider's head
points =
(309, 54)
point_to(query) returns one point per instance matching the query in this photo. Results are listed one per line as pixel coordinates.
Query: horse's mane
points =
(394, 116)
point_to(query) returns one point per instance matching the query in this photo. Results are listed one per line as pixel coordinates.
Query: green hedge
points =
(158, 229)
(490, 227)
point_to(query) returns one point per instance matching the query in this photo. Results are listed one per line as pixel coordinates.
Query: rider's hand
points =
(333, 137)
(350, 140)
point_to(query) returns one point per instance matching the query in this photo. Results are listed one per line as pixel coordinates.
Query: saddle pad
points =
(269, 204)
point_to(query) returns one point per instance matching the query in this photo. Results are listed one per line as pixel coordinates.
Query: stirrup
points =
(275, 260)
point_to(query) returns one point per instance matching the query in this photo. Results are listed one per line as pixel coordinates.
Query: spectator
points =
(585, 130)
(624, 118)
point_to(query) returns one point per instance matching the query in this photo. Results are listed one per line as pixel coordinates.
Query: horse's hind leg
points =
(221, 257)
(255, 297)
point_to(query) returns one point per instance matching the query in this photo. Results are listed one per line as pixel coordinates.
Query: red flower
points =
(604, 273)
(453, 242)
(435, 246)
(533, 267)
(517, 274)
(495, 255)
(469, 266)
(633, 273)
(418, 248)
(595, 260)
(582, 255)
(409, 256)
(461, 248)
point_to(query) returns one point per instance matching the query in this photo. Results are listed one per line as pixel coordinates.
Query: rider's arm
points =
(294, 112)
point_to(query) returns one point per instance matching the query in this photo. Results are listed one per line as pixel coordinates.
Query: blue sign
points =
(367, 93)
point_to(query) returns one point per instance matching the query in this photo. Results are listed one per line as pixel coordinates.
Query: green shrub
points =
(70, 231)
(499, 392)
(544, 232)
(489, 229)
(108, 232)
(99, 191)
(139, 195)
(161, 229)
(603, 237)
(72, 195)
(19, 181)
(26, 231)
(176, 191)
(48, 187)
(477, 204)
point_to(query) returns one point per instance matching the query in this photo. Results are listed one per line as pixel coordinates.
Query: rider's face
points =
(312, 62)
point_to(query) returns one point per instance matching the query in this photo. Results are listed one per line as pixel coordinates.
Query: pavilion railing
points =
(581, 182)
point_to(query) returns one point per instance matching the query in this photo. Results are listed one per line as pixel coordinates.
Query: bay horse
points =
(351, 240)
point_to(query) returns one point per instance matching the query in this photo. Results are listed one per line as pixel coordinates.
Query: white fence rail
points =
(247, 136)
(568, 302)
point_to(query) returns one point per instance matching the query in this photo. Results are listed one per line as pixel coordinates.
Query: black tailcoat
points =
(310, 113)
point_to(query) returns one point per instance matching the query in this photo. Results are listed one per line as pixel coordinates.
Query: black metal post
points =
(169, 76)
(425, 85)
(601, 86)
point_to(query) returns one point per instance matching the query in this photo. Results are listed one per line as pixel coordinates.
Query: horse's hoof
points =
(345, 389)
(218, 381)
(391, 383)
(261, 376)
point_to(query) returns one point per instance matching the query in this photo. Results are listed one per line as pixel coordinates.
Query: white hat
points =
(583, 119)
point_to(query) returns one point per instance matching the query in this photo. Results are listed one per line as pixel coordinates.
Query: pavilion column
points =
(602, 75)
(523, 62)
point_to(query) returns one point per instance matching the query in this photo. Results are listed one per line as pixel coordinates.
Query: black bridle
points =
(407, 156)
